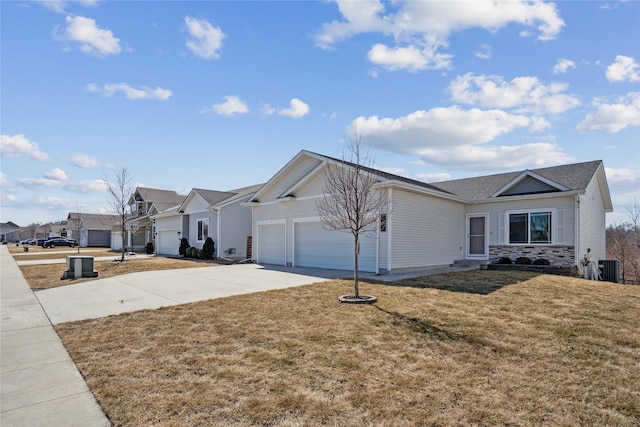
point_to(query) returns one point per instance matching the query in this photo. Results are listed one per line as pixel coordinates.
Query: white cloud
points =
(38, 202)
(232, 105)
(19, 146)
(131, 93)
(392, 170)
(457, 138)
(297, 109)
(524, 94)
(56, 174)
(411, 58)
(59, 6)
(91, 38)
(484, 52)
(563, 66)
(4, 181)
(612, 118)
(206, 40)
(40, 183)
(624, 69)
(433, 177)
(420, 28)
(85, 161)
(623, 177)
(73, 186)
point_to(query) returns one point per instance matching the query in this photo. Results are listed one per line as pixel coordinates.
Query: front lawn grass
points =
(469, 348)
(46, 276)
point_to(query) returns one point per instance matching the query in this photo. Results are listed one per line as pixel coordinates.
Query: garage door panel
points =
(167, 243)
(320, 248)
(99, 238)
(271, 244)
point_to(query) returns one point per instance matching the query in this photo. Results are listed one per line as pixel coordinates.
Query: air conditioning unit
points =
(79, 266)
(609, 270)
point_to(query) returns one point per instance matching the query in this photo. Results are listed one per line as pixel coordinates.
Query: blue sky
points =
(220, 95)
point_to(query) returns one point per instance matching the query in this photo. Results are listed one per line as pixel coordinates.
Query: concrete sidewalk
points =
(39, 383)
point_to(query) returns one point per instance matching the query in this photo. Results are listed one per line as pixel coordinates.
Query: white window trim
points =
(554, 228)
(197, 222)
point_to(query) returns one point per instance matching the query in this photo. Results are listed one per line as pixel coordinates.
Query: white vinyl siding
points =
(313, 187)
(196, 204)
(235, 227)
(592, 226)
(281, 184)
(426, 231)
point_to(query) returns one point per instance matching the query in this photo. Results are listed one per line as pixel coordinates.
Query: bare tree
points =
(623, 244)
(119, 190)
(351, 204)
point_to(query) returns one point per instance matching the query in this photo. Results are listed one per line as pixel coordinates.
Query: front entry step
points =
(470, 263)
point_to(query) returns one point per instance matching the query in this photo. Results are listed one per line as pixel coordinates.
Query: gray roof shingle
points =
(574, 176)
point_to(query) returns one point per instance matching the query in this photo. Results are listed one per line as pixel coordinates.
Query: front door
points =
(477, 244)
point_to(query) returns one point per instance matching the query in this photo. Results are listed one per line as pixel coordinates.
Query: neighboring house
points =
(9, 232)
(143, 203)
(207, 213)
(58, 229)
(556, 213)
(90, 229)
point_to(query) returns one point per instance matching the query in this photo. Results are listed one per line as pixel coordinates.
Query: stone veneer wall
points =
(556, 255)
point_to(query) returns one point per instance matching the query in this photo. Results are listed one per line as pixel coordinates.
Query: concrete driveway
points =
(154, 289)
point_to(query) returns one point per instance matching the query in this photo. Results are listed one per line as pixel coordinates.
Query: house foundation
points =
(559, 256)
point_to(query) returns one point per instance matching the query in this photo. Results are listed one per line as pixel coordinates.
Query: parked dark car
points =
(40, 242)
(59, 241)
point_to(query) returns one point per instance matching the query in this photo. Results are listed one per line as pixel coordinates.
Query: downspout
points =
(389, 227)
(218, 229)
(577, 231)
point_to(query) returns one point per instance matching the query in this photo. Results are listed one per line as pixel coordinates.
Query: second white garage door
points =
(320, 248)
(271, 244)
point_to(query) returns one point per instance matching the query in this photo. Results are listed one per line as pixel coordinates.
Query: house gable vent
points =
(529, 185)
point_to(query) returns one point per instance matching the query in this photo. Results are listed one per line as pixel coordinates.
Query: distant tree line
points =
(623, 244)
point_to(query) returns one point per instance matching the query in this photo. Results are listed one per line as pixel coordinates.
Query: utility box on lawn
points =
(79, 266)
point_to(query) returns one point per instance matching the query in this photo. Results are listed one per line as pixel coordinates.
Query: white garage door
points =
(271, 244)
(317, 247)
(167, 242)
